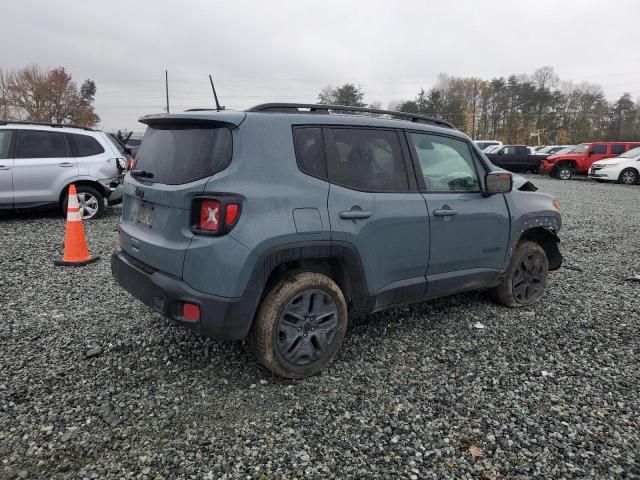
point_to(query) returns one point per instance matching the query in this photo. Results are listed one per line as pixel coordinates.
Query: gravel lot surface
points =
(95, 385)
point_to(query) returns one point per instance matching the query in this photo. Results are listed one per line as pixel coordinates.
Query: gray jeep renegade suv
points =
(278, 223)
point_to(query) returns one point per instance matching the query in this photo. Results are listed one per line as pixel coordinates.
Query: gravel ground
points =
(550, 391)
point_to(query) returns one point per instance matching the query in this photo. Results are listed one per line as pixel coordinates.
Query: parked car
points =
(624, 168)
(564, 149)
(516, 158)
(133, 144)
(579, 160)
(275, 224)
(492, 148)
(38, 162)
(551, 149)
(482, 144)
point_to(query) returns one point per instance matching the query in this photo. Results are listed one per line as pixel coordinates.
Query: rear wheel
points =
(300, 325)
(90, 200)
(628, 176)
(525, 280)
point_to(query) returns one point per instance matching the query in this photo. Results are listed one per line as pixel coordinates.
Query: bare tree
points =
(47, 96)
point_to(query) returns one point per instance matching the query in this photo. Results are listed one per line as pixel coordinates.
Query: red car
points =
(579, 160)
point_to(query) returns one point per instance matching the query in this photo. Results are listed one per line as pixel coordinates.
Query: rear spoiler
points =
(223, 118)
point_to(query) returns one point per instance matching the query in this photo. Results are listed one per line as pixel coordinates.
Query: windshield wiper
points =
(141, 174)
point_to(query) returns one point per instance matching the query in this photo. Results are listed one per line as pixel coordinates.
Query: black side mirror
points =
(498, 182)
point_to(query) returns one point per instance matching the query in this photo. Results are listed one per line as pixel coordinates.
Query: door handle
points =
(354, 214)
(445, 212)
(65, 164)
(4, 167)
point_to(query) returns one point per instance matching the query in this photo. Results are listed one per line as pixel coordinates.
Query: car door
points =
(504, 157)
(520, 158)
(597, 151)
(469, 231)
(43, 166)
(374, 205)
(6, 170)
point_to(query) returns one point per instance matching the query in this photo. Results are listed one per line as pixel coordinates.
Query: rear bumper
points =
(220, 317)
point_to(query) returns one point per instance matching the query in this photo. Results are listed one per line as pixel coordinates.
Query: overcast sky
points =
(274, 50)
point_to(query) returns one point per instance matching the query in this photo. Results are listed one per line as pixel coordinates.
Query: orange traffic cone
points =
(76, 252)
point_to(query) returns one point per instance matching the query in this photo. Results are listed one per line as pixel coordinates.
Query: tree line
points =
(37, 95)
(516, 109)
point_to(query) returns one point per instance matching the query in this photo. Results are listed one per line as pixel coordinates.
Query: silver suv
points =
(38, 162)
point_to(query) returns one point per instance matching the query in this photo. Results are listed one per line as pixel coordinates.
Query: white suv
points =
(38, 162)
(624, 168)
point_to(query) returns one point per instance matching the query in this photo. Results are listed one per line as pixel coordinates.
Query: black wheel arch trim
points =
(548, 239)
(316, 250)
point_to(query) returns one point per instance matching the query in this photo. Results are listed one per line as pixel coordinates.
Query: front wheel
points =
(300, 325)
(564, 172)
(525, 280)
(628, 176)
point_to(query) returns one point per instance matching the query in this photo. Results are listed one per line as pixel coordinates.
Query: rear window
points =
(84, 145)
(177, 154)
(310, 151)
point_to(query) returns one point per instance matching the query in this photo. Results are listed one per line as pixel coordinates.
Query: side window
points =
(84, 145)
(617, 148)
(367, 159)
(39, 144)
(309, 148)
(447, 164)
(599, 149)
(5, 143)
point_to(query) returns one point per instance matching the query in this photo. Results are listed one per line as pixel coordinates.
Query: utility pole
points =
(475, 99)
(166, 87)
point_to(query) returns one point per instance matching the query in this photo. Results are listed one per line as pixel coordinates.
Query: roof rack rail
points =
(326, 109)
(45, 124)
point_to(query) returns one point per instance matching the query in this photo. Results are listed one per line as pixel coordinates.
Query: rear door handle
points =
(4, 167)
(65, 164)
(445, 212)
(354, 214)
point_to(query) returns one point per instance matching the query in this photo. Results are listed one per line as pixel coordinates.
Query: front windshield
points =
(581, 148)
(544, 150)
(634, 152)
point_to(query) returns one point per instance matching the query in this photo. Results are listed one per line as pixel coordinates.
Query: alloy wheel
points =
(88, 205)
(307, 326)
(628, 177)
(528, 278)
(564, 174)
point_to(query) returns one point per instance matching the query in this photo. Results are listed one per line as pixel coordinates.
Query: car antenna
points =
(215, 96)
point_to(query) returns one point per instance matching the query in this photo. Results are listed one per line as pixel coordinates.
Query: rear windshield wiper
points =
(141, 173)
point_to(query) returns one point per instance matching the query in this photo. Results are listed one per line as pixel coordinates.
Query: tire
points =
(300, 325)
(91, 202)
(564, 171)
(525, 280)
(628, 176)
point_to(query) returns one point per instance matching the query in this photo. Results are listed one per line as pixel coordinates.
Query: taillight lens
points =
(210, 216)
(231, 214)
(216, 216)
